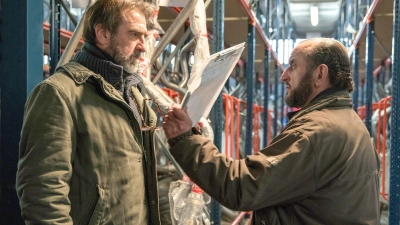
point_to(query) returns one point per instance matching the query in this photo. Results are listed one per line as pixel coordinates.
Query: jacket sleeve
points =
(279, 174)
(46, 151)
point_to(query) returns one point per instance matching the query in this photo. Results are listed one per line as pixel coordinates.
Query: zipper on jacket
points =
(145, 153)
(143, 148)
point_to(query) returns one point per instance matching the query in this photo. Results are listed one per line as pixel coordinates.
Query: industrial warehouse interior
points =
(247, 115)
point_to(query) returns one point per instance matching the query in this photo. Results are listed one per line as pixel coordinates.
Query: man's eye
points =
(136, 34)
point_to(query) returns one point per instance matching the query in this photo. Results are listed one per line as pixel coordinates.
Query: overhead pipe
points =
(183, 62)
(155, 92)
(169, 156)
(177, 47)
(73, 41)
(175, 87)
(163, 100)
(165, 63)
(166, 169)
(173, 29)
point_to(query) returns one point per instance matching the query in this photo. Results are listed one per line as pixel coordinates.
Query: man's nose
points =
(142, 44)
(284, 76)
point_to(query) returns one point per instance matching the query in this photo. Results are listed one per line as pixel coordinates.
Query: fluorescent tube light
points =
(314, 15)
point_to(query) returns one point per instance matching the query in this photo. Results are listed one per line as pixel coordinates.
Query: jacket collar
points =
(81, 74)
(103, 64)
(327, 91)
(329, 97)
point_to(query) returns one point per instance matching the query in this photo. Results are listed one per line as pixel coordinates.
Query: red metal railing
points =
(171, 93)
(232, 107)
(361, 109)
(229, 104)
(381, 139)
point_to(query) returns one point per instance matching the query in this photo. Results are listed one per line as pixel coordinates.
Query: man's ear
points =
(322, 78)
(103, 36)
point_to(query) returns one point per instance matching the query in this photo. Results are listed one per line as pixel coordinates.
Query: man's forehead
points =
(296, 54)
(135, 20)
(141, 27)
(301, 50)
(129, 14)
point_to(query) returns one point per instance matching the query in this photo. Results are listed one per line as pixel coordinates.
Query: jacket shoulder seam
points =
(72, 66)
(64, 96)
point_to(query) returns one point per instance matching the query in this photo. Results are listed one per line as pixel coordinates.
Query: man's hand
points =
(176, 122)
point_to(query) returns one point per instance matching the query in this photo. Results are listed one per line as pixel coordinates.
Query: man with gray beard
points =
(321, 169)
(86, 149)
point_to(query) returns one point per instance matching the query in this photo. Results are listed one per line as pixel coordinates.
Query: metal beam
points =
(173, 29)
(21, 68)
(394, 195)
(366, 20)
(277, 72)
(355, 79)
(55, 39)
(245, 5)
(356, 59)
(267, 59)
(216, 111)
(249, 87)
(369, 53)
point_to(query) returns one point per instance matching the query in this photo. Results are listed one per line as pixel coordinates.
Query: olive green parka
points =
(83, 157)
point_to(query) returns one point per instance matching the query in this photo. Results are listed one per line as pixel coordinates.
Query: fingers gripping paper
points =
(206, 87)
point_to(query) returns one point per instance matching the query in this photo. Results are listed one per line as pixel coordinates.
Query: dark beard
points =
(301, 93)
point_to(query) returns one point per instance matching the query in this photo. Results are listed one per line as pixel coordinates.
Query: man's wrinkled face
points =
(128, 60)
(128, 43)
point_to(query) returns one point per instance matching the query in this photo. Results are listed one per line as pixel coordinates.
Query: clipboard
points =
(185, 100)
(206, 86)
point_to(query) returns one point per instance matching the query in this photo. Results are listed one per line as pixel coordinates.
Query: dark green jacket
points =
(83, 157)
(321, 169)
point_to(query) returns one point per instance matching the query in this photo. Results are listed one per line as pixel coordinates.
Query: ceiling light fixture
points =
(314, 15)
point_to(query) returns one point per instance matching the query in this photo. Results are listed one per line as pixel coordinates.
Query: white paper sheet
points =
(205, 89)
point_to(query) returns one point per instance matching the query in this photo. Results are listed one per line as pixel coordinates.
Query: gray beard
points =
(130, 63)
(130, 67)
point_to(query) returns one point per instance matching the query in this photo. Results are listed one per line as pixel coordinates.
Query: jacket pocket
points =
(95, 208)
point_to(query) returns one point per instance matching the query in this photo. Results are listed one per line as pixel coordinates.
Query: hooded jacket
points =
(83, 156)
(321, 169)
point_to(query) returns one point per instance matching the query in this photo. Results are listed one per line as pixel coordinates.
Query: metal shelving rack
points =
(394, 205)
(21, 69)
